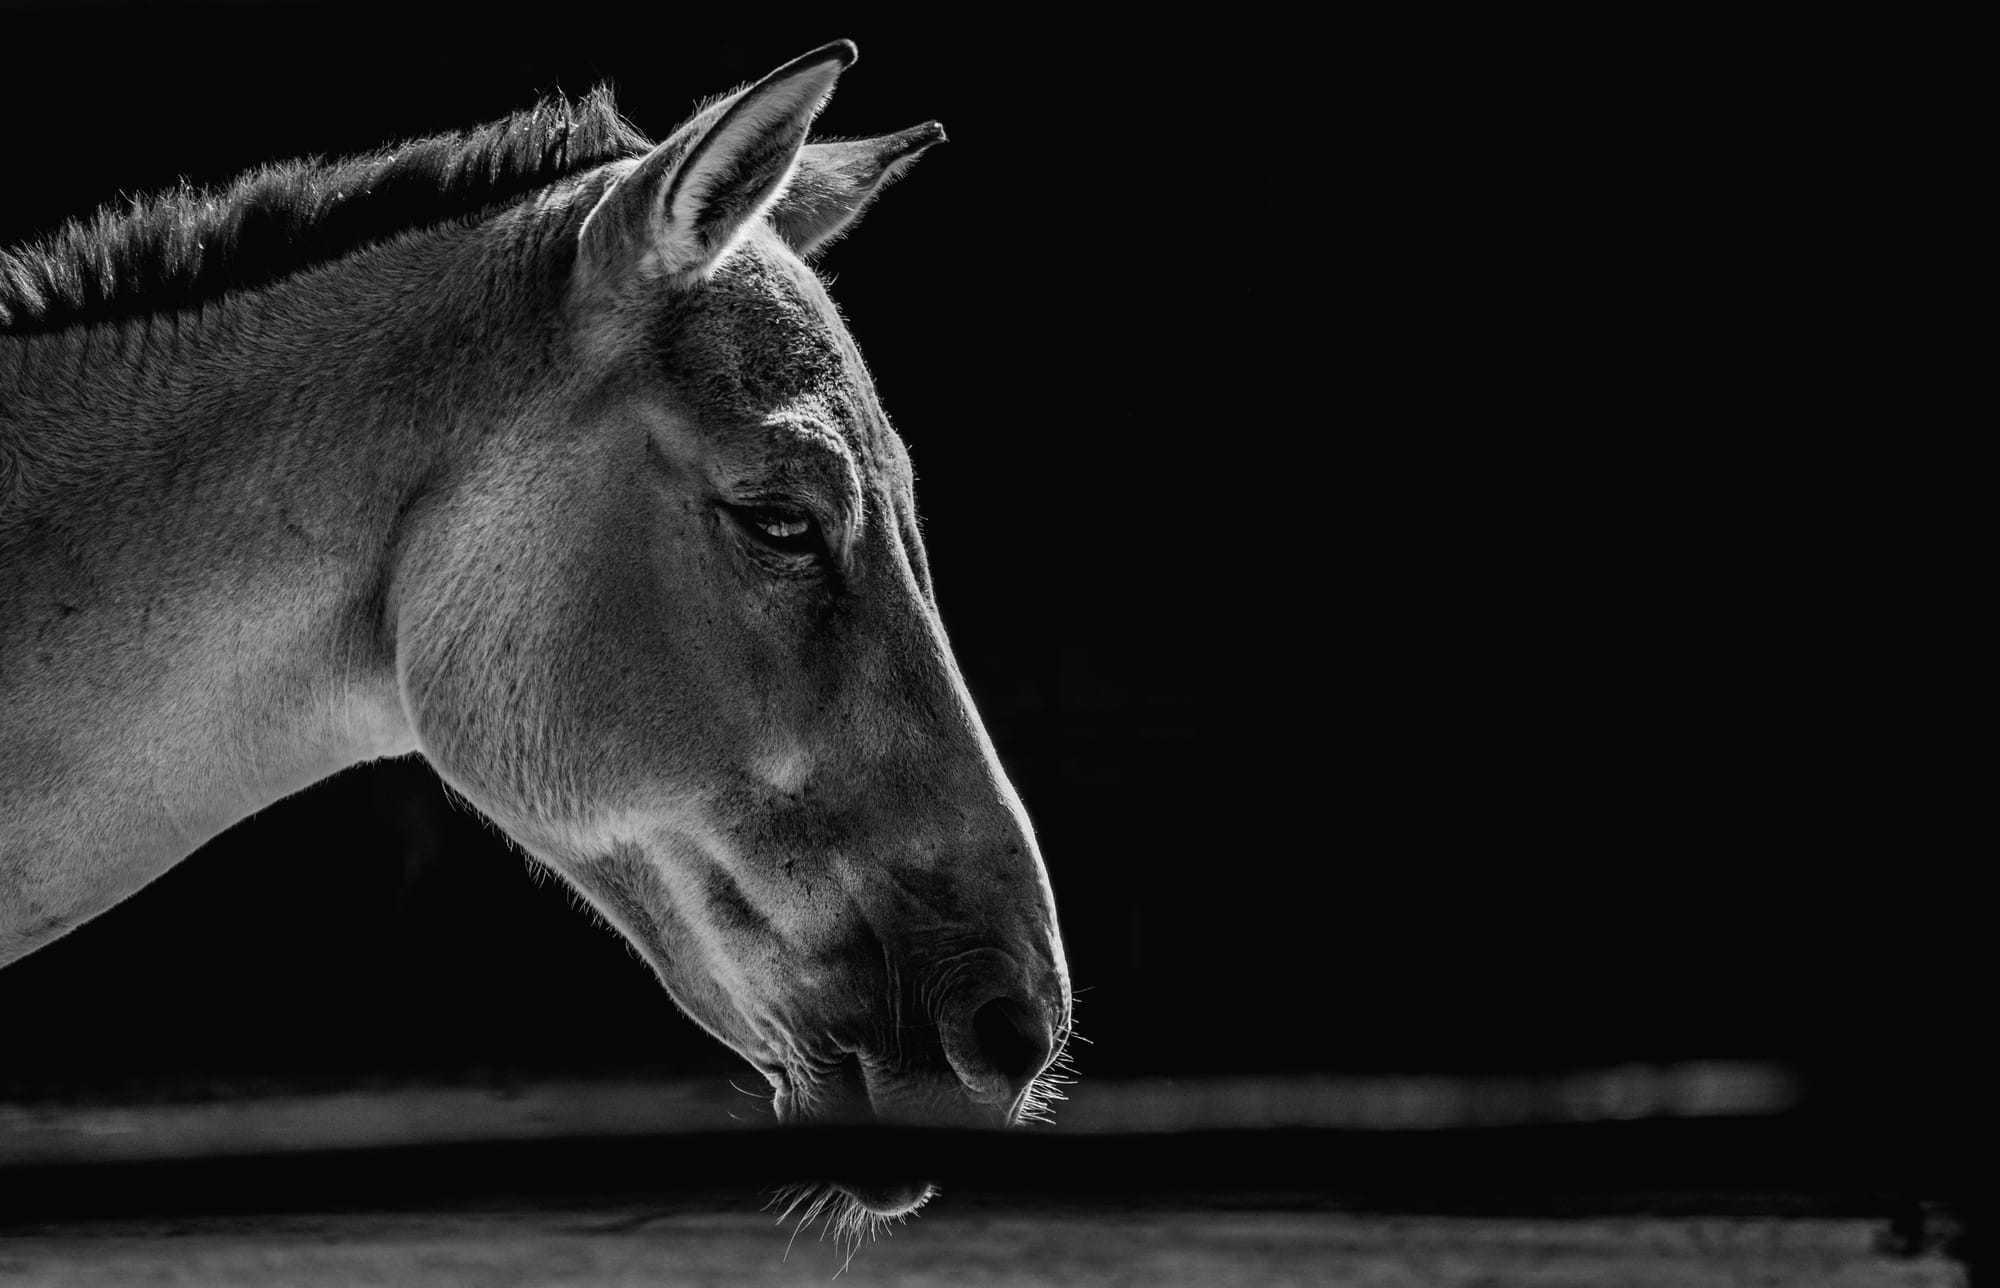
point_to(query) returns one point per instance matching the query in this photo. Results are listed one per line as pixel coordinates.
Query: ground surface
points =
(610, 1247)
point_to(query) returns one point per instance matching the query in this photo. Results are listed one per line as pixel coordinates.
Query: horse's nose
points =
(1003, 1045)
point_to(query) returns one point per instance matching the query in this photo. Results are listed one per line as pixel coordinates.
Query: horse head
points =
(670, 624)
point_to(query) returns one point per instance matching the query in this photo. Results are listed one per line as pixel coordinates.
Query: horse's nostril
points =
(1014, 1043)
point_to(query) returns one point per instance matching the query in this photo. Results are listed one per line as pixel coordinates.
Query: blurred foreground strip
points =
(1432, 1101)
(44, 1133)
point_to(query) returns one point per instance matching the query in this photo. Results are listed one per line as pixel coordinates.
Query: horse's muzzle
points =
(997, 1045)
(996, 1031)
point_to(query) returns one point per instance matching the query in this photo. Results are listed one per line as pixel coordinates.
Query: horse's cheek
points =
(653, 668)
(468, 632)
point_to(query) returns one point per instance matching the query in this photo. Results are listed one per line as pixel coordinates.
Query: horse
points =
(538, 450)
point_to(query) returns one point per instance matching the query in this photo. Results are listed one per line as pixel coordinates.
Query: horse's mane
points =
(190, 245)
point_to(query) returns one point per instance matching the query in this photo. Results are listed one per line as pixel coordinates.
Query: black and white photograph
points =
(971, 649)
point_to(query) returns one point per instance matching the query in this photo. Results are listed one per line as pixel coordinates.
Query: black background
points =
(1370, 499)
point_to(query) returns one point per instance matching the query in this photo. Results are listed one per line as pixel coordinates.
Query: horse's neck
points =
(193, 571)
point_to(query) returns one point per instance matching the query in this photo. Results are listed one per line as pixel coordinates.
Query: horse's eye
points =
(780, 526)
(784, 530)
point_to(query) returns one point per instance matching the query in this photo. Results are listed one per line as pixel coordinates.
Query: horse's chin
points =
(881, 1197)
(876, 1195)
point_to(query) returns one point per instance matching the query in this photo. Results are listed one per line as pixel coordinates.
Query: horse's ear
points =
(836, 180)
(678, 213)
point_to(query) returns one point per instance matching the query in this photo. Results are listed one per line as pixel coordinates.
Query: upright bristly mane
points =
(190, 245)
